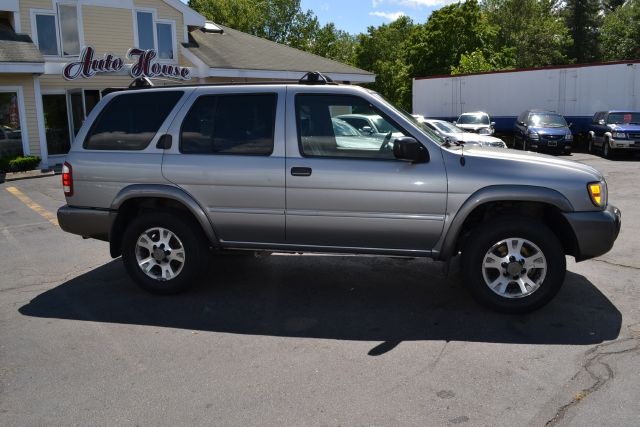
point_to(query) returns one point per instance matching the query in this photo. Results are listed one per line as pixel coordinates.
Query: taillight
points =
(67, 179)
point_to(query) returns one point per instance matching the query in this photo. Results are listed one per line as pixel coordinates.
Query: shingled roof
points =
(17, 47)
(233, 49)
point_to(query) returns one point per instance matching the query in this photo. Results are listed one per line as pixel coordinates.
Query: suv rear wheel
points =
(513, 266)
(162, 253)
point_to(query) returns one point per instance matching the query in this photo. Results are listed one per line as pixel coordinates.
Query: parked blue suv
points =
(539, 130)
(616, 130)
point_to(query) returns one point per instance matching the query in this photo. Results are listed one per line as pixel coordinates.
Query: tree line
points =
(465, 37)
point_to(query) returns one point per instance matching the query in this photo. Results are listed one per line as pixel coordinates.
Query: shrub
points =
(23, 164)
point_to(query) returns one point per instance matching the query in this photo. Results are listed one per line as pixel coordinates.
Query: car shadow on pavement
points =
(387, 300)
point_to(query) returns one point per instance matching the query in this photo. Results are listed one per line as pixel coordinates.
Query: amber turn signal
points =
(595, 191)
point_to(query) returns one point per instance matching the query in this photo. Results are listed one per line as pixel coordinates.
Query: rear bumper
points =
(86, 222)
(595, 231)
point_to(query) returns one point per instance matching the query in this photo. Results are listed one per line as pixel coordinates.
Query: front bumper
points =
(88, 223)
(595, 231)
(625, 144)
(561, 145)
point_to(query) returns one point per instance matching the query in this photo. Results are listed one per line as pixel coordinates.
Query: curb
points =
(27, 175)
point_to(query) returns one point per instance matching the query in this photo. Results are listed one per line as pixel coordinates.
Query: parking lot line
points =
(34, 206)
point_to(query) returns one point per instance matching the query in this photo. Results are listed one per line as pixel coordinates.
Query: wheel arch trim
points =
(499, 193)
(160, 191)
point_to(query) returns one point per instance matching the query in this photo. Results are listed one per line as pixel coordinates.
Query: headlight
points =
(619, 135)
(533, 135)
(598, 193)
(568, 137)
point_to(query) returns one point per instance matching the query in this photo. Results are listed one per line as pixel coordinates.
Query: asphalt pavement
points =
(307, 339)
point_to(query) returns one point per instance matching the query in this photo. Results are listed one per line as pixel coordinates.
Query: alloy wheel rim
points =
(514, 268)
(160, 254)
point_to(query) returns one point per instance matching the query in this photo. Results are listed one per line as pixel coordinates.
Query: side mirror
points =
(570, 125)
(407, 148)
(455, 122)
(493, 124)
(367, 130)
(601, 122)
(525, 125)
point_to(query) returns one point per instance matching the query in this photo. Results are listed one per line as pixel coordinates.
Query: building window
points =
(145, 30)
(155, 34)
(47, 37)
(165, 40)
(68, 17)
(10, 131)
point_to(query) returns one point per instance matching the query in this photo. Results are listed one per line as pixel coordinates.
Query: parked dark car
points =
(539, 130)
(616, 130)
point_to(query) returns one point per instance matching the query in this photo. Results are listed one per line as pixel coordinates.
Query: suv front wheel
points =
(162, 253)
(513, 266)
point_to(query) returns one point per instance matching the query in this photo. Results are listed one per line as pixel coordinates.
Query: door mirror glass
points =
(407, 148)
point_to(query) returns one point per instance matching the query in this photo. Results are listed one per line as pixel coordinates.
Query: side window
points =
(230, 124)
(521, 117)
(597, 117)
(130, 121)
(322, 133)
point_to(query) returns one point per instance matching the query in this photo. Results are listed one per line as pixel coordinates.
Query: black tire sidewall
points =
(185, 229)
(486, 236)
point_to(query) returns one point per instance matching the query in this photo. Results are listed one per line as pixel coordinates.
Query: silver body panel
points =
(345, 205)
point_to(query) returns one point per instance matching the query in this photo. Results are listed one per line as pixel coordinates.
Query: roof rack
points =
(141, 82)
(316, 78)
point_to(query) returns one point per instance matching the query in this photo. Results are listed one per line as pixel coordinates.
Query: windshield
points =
(382, 125)
(473, 119)
(430, 133)
(342, 128)
(624, 118)
(447, 127)
(547, 120)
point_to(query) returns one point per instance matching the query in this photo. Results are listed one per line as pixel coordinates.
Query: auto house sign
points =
(145, 64)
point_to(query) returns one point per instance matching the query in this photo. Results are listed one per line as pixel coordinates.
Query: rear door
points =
(349, 191)
(228, 153)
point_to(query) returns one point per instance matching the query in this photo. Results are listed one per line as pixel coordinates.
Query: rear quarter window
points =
(130, 121)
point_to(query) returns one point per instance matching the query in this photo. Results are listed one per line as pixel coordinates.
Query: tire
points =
(607, 152)
(174, 273)
(482, 265)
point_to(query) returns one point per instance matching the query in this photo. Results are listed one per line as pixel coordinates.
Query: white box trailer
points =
(575, 91)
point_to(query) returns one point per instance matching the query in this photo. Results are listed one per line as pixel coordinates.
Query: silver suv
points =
(172, 175)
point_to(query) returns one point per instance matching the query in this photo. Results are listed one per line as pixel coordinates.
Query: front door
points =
(346, 189)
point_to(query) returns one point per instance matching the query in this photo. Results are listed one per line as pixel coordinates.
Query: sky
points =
(354, 16)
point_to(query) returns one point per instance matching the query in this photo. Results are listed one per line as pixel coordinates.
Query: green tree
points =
(611, 5)
(281, 21)
(621, 32)
(452, 31)
(476, 62)
(583, 19)
(335, 44)
(533, 30)
(381, 50)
